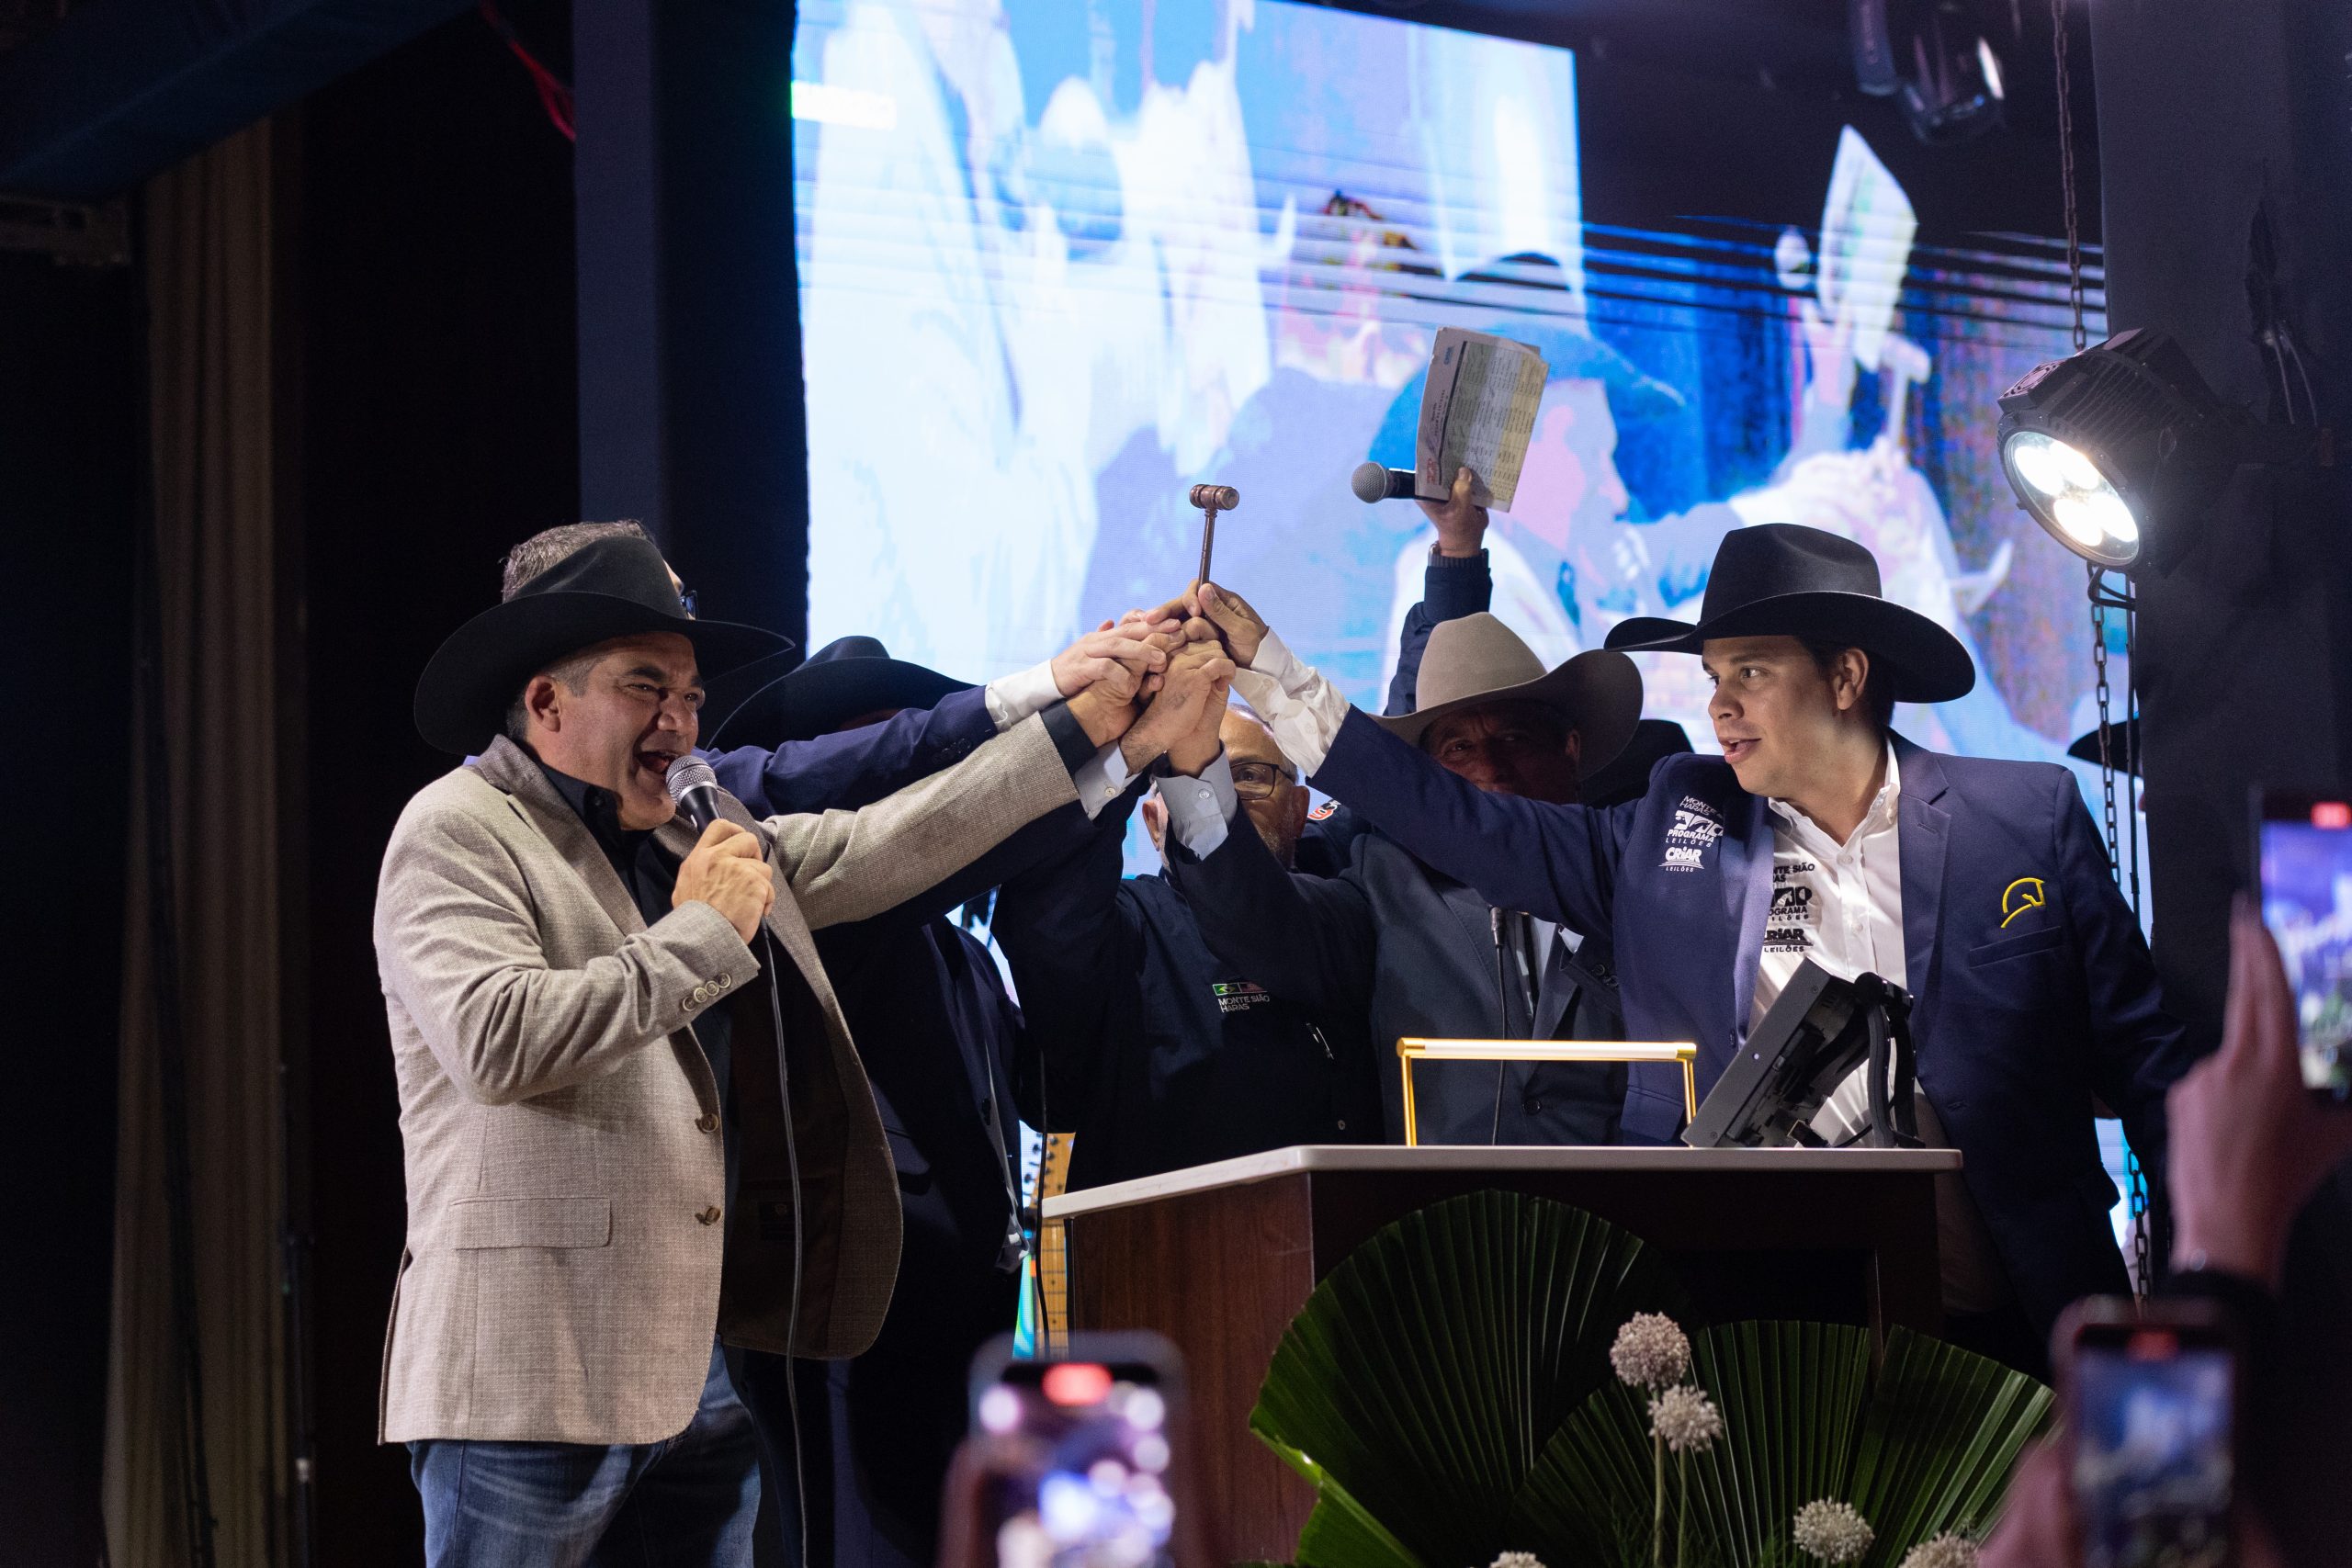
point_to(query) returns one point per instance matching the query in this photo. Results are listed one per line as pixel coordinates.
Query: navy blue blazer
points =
(2034, 991)
(1157, 1052)
(860, 766)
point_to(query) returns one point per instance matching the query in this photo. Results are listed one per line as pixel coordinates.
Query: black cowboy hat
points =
(2122, 747)
(759, 707)
(615, 587)
(1785, 579)
(1628, 775)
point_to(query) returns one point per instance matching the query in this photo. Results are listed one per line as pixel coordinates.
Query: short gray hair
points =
(548, 545)
(572, 670)
(526, 561)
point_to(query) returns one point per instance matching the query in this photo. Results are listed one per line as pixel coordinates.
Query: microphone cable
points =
(1502, 1002)
(800, 1256)
(694, 784)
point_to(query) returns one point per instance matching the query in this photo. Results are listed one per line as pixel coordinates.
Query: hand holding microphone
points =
(725, 869)
(1461, 522)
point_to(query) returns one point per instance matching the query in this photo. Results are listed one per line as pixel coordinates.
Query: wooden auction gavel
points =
(1212, 500)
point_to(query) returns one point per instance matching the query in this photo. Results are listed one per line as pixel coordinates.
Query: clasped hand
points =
(1157, 680)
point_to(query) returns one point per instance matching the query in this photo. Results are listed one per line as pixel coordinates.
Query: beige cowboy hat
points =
(1477, 659)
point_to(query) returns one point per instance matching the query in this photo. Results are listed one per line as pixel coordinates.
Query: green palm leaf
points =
(1942, 1438)
(1925, 1445)
(1424, 1378)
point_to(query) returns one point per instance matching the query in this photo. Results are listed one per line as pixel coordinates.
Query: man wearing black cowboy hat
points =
(589, 1205)
(1979, 884)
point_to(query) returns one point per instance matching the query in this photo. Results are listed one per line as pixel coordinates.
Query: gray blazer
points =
(565, 1266)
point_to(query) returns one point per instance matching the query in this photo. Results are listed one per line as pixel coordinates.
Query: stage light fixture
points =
(1955, 91)
(2114, 450)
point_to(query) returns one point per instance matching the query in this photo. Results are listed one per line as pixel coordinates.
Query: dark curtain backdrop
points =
(431, 284)
(69, 457)
(210, 737)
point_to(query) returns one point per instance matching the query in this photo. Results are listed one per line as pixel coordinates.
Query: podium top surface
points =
(1475, 1156)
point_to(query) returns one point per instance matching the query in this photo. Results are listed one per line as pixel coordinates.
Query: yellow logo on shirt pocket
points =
(2018, 897)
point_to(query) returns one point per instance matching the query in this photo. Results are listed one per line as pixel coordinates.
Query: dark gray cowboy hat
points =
(1477, 659)
(1785, 579)
(615, 587)
(1627, 776)
(847, 678)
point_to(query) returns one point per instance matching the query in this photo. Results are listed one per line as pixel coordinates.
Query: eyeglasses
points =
(686, 602)
(1255, 781)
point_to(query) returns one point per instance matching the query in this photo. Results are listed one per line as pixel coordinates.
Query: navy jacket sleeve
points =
(2138, 1050)
(1307, 939)
(859, 767)
(1558, 861)
(1074, 946)
(1452, 587)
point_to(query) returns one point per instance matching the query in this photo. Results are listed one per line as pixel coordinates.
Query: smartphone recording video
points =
(2305, 848)
(2152, 1393)
(1080, 1450)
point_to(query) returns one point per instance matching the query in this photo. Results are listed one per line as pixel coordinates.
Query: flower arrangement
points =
(1649, 1350)
(1478, 1382)
(1949, 1549)
(1835, 1533)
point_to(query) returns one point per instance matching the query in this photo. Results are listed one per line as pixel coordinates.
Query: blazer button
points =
(701, 995)
(707, 1122)
(725, 979)
(710, 1216)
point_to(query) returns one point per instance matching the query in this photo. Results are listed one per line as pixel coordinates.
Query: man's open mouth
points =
(656, 762)
(1737, 751)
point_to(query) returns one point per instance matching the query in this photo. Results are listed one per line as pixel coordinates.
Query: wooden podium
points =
(1220, 1257)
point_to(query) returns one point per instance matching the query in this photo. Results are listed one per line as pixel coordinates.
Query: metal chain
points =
(2067, 173)
(2102, 599)
(2135, 1178)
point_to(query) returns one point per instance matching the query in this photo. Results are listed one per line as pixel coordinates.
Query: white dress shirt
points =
(1841, 905)
(1012, 698)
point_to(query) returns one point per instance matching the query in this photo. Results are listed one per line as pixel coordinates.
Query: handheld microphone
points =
(1371, 482)
(693, 784)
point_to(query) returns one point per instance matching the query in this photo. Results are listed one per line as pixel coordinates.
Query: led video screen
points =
(1059, 262)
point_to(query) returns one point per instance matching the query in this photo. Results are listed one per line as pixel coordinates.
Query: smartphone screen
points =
(2306, 850)
(2153, 1446)
(1083, 1479)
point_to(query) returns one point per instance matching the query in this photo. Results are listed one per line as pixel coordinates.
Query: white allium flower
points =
(1833, 1532)
(1650, 1351)
(1949, 1549)
(1518, 1560)
(1686, 1418)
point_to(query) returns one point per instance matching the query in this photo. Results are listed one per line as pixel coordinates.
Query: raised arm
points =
(855, 767)
(854, 865)
(1457, 581)
(1559, 861)
(858, 767)
(458, 942)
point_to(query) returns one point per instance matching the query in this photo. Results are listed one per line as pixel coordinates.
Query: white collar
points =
(1879, 816)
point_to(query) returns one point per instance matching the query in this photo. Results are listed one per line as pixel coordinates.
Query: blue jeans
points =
(684, 1502)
